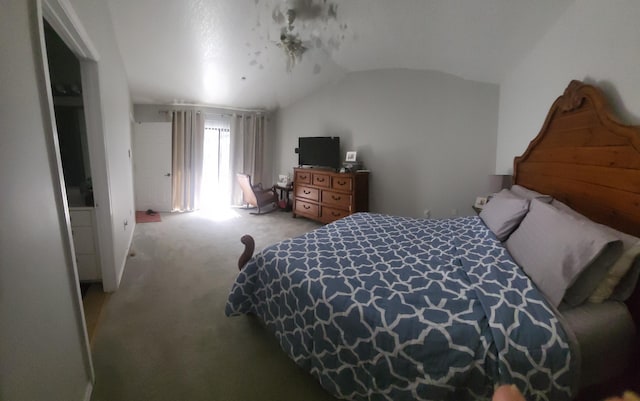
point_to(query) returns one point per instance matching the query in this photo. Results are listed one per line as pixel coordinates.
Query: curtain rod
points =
(208, 106)
(197, 111)
(167, 112)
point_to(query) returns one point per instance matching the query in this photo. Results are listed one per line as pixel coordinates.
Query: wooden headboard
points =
(584, 157)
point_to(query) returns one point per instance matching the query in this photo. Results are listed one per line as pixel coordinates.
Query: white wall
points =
(117, 111)
(41, 335)
(428, 138)
(594, 41)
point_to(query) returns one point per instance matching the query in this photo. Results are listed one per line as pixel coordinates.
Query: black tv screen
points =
(319, 151)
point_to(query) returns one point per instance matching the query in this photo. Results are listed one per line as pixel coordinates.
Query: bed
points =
(381, 307)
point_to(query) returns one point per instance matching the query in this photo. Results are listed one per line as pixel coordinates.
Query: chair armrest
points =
(263, 190)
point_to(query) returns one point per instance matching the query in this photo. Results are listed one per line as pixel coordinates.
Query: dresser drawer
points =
(322, 180)
(330, 214)
(342, 183)
(302, 177)
(308, 193)
(327, 196)
(336, 199)
(305, 208)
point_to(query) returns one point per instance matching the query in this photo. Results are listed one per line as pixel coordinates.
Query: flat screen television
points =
(319, 151)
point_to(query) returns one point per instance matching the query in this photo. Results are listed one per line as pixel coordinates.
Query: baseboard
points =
(125, 258)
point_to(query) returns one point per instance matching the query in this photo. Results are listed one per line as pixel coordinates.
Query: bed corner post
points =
(249, 246)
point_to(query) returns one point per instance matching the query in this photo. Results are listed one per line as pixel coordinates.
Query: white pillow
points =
(553, 248)
(527, 193)
(503, 214)
(627, 284)
(620, 268)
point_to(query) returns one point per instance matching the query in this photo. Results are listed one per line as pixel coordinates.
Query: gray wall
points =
(593, 41)
(429, 138)
(41, 340)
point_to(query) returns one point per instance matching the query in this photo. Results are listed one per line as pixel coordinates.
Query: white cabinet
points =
(85, 243)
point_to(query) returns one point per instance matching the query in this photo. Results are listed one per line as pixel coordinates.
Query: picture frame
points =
(481, 201)
(351, 156)
(283, 180)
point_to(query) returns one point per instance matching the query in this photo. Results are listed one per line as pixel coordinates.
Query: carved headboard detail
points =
(584, 157)
(587, 159)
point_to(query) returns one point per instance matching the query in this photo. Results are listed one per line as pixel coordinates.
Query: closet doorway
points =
(71, 127)
(68, 106)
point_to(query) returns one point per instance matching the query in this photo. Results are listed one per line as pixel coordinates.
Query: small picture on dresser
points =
(351, 156)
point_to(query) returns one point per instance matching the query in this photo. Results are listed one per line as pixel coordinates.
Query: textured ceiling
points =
(198, 51)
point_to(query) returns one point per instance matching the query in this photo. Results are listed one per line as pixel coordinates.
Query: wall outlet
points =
(427, 213)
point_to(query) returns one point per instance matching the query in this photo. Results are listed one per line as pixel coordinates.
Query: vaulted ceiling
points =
(229, 52)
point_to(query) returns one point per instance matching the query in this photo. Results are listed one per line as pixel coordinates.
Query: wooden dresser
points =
(327, 196)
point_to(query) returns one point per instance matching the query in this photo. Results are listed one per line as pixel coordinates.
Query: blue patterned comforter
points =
(390, 308)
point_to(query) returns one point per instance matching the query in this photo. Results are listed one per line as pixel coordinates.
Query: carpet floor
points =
(164, 336)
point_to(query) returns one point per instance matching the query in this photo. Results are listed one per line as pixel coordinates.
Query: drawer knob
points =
(320, 179)
(306, 192)
(336, 197)
(306, 207)
(342, 183)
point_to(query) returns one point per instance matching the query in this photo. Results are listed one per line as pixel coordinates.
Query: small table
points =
(285, 190)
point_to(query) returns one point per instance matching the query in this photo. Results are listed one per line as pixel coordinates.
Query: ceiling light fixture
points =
(307, 24)
(290, 41)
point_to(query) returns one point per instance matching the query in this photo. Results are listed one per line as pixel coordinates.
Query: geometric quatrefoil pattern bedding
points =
(389, 308)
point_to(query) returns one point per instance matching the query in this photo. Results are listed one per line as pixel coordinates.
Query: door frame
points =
(63, 18)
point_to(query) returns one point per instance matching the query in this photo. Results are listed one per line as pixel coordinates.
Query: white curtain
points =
(247, 150)
(187, 153)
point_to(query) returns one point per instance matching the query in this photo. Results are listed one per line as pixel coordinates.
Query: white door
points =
(152, 166)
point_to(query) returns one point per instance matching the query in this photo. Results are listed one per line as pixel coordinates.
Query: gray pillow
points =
(506, 193)
(628, 240)
(527, 193)
(594, 274)
(503, 214)
(622, 275)
(553, 248)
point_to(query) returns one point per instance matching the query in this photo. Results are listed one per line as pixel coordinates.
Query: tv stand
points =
(326, 196)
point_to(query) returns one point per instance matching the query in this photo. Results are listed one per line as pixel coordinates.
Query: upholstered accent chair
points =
(256, 196)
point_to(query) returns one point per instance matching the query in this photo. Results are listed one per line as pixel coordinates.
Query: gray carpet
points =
(164, 336)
